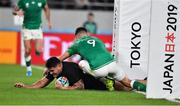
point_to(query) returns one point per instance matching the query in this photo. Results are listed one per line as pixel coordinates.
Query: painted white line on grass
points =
(174, 100)
(171, 100)
(144, 93)
(38, 67)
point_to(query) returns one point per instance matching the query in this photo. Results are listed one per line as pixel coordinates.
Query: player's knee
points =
(27, 50)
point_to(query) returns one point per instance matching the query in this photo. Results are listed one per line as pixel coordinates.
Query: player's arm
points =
(17, 10)
(78, 85)
(39, 84)
(71, 51)
(64, 56)
(47, 14)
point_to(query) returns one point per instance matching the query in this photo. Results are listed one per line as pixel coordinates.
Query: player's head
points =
(81, 31)
(54, 65)
(90, 17)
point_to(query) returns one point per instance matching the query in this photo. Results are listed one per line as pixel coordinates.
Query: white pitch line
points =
(174, 100)
(171, 100)
(140, 92)
(38, 67)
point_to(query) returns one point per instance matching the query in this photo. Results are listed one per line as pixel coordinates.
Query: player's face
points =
(91, 18)
(55, 71)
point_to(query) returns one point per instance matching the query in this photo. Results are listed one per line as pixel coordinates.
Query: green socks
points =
(139, 86)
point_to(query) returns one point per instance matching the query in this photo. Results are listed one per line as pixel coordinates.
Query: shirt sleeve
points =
(73, 49)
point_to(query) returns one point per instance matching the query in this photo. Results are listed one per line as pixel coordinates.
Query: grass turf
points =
(9, 95)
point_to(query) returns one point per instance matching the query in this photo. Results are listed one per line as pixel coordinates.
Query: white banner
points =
(164, 60)
(133, 37)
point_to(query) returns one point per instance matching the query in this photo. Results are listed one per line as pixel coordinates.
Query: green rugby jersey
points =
(32, 12)
(93, 50)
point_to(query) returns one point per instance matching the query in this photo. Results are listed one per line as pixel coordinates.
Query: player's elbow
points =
(14, 13)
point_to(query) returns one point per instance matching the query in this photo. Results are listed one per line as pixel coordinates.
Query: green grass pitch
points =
(9, 95)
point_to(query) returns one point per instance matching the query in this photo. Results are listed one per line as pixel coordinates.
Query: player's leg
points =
(135, 84)
(107, 73)
(122, 77)
(84, 65)
(27, 36)
(121, 87)
(38, 39)
(27, 46)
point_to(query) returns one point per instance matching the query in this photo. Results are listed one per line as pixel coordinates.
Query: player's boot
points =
(29, 72)
(109, 83)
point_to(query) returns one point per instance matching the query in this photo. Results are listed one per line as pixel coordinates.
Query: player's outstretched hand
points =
(20, 13)
(45, 72)
(19, 85)
(58, 85)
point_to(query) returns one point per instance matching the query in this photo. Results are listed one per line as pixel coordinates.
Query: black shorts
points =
(92, 83)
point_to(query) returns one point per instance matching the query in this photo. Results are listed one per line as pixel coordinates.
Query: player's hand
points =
(58, 85)
(19, 85)
(20, 13)
(45, 71)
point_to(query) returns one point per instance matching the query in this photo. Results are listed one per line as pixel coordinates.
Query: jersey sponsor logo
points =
(39, 4)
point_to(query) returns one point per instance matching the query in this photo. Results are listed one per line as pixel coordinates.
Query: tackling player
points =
(98, 60)
(31, 29)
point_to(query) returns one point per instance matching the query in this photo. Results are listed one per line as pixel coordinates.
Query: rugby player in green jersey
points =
(31, 29)
(98, 61)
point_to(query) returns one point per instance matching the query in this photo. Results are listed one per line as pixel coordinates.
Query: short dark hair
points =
(52, 62)
(91, 14)
(80, 29)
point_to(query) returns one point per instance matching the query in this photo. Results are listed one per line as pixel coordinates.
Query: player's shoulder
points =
(85, 22)
(69, 64)
(70, 67)
(93, 38)
(82, 39)
(21, 1)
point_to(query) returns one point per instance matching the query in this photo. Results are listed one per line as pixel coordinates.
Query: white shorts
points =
(112, 67)
(29, 34)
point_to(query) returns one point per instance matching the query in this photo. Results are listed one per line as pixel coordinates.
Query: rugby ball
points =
(63, 81)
